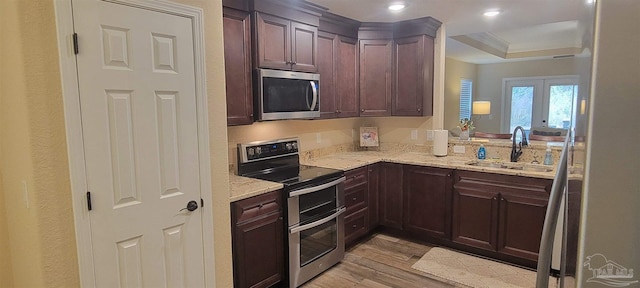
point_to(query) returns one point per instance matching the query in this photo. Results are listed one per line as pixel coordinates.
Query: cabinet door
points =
(273, 42)
(304, 44)
(375, 77)
(237, 58)
(258, 245)
(346, 80)
(427, 201)
(326, 67)
(475, 212)
(390, 210)
(408, 76)
(373, 182)
(523, 206)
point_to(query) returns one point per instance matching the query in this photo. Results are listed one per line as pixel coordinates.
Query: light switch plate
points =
(459, 149)
(414, 134)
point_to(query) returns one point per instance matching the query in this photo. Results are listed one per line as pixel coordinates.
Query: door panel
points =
(137, 92)
(375, 77)
(540, 102)
(304, 40)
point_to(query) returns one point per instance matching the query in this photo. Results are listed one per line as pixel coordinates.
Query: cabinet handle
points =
(495, 197)
(354, 226)
(337, 111)
(294, 63)
(419, 109)
(362, 110)
(355, 198)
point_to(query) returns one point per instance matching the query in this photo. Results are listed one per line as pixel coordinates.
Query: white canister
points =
(440, 142)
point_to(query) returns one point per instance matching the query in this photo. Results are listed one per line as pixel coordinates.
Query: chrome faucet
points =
(515, 154)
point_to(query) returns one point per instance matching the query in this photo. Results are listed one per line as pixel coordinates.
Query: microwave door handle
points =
(315, 95)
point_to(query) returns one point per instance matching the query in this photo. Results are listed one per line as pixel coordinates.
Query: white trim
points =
(73, 124)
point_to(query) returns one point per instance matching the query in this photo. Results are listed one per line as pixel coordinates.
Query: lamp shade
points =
(481, 107)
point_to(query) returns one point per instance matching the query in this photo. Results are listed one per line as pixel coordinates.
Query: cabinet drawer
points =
(355, 198)
(355, 177)
(356, 225)
(256, 207)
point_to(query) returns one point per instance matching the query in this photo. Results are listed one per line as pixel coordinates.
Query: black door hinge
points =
(75, 43)
(201, 203)
(89, 201)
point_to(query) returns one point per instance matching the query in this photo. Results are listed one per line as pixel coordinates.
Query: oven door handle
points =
(317, 223)
(316, 188)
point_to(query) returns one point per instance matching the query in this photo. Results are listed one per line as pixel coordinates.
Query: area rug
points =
(464, 270)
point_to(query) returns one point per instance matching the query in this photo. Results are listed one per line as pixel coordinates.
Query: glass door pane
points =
(562, 105)
(521, 107)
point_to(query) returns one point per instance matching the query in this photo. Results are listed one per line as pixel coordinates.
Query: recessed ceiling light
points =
(491, 13)
(396, 6)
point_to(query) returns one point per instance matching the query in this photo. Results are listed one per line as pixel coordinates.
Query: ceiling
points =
(525, 29)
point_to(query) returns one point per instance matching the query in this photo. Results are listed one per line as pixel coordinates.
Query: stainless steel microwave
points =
(287, 95)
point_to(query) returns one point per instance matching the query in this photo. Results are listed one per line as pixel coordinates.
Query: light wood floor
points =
(379, 261)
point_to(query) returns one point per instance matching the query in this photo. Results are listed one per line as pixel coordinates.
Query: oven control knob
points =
(295, 146)
(258, 150)
(289, 146)
(250, 151)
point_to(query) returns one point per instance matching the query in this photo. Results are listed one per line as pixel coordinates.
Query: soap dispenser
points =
(482, 153)
(548, 159)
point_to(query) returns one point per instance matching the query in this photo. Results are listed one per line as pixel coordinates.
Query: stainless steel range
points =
(315, 204)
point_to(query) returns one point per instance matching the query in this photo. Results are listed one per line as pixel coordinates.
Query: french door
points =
(539, 102)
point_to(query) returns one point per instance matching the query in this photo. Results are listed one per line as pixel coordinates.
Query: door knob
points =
(191, 206)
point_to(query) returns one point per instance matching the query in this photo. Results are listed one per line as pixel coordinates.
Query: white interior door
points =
(140, 132)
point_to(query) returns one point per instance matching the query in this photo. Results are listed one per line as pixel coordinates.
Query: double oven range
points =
(315, 204)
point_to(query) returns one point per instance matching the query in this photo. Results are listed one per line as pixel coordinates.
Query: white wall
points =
(611, 196)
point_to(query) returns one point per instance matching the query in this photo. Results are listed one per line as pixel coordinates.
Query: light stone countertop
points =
(243, 187)
(351, 160)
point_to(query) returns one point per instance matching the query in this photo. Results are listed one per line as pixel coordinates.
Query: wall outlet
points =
(429, 135)
(318, 138)
(414, 134)
(459, 149)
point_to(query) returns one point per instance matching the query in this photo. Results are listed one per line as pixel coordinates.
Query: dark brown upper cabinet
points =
(285, 44)
(396, 68)
(238, 68)
(413, 76)
(338, 66)
(375, 77)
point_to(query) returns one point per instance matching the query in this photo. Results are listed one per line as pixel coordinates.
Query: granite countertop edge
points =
(243, 187)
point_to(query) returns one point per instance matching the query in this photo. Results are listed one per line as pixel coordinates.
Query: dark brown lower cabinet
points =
(258, 244)
(373, 182)
(500, 214)
(390, 197)
(427, 202)
(356, 198)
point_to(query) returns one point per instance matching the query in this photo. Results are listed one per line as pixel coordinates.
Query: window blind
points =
(466, 88)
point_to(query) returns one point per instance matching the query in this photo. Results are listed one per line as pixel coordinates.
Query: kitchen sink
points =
(512, 166)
